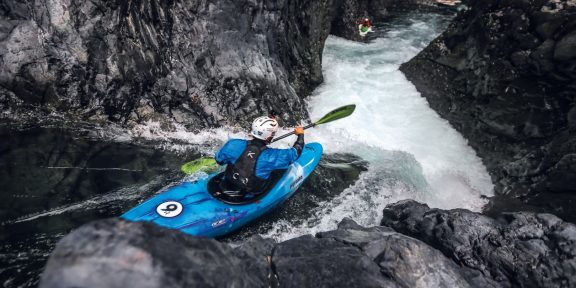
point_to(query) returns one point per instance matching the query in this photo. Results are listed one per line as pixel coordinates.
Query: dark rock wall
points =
(203, 63)
(504, 75)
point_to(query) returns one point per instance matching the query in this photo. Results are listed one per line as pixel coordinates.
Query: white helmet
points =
(264, 128)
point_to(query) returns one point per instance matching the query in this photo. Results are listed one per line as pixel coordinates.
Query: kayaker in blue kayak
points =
(250, 162)
(199, 206)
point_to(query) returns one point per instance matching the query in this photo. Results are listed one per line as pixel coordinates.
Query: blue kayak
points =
(199, 209)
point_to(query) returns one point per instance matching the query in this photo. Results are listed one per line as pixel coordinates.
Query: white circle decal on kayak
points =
(169, 209)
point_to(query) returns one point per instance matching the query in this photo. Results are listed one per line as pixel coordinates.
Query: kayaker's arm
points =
(230, 151)
(299, 144)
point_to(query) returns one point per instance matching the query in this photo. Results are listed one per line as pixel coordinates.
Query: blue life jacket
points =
(270, 159)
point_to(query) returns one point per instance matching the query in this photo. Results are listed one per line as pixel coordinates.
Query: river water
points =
(393, 147)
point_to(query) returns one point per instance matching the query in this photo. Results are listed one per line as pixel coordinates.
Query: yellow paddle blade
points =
(204, 164)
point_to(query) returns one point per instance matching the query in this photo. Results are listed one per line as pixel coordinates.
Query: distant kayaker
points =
(250, 162)
(364, 25)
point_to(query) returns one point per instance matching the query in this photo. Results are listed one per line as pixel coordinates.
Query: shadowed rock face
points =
(516, 250)
(504, 75)
(200, 62)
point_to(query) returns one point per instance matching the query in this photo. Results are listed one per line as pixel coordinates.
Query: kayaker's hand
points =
(299, 130)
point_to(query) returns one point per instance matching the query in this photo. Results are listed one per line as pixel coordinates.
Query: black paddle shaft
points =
(292, 133)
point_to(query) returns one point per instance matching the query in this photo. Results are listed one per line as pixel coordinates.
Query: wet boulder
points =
(516, 249)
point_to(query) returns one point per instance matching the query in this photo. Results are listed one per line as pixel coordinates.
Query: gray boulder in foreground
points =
(517, 249)
(115, 253)
(457, 248)
(407, 261)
